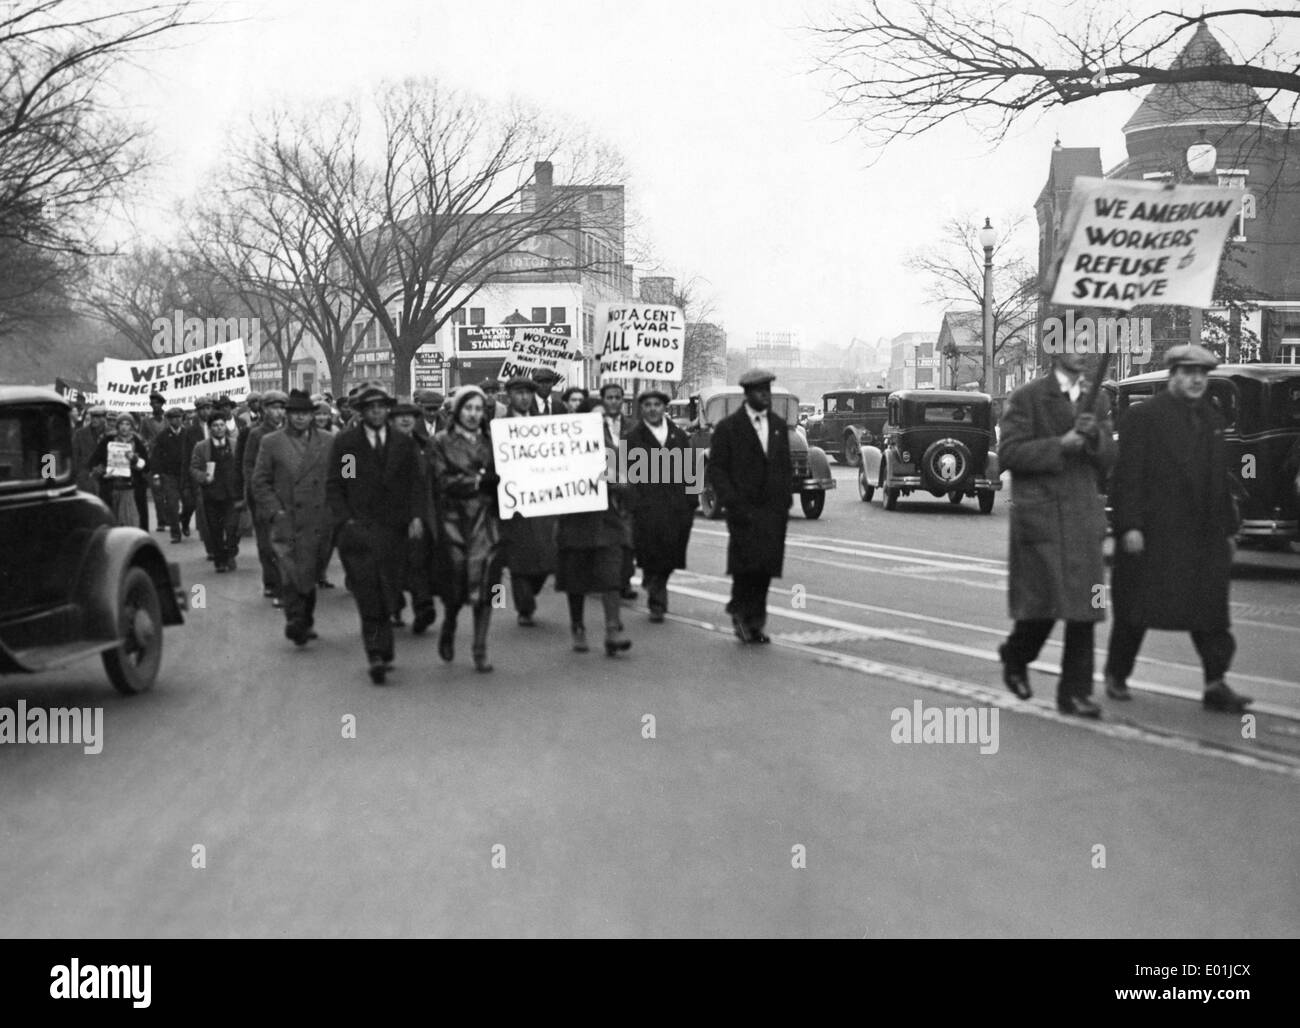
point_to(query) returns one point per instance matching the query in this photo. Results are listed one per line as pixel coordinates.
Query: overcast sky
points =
(739, 172)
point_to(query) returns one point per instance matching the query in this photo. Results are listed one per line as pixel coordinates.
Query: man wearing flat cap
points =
(430, 420)
(545, 379)
(375, 494)
(1175, 523)
(169, 461)
(750, 473)
(493, 407)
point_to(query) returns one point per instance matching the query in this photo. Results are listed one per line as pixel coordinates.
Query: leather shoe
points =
(760, 636)
(629, 593)
(1015, 679)
(325, 583)
(422, 621)
(742, 633)
(526, 621)
(656, 617)
(1219, 697)
(447, 641)
(398, 622)
(1078, 706)
(377, 671)
(580, 639)
(1116, 689)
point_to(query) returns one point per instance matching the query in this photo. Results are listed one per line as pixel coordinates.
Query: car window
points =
(1286, 403)
(948, 412)
(1223, 396)
(878, 402)
(35, 446)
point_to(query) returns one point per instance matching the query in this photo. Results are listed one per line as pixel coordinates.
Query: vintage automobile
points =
(680, 412)
(849, 419)
(72, 584)
(1261, 403)
(940, 442)
(812, 469)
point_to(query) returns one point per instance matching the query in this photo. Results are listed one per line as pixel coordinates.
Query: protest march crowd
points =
(407, 495)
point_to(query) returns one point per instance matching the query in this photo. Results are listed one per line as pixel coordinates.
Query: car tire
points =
(891, 498)
(813, 503)
(955, 498)
(986, 500)
(852, 450)
(709, 504)
(133, 664)
(865, 492)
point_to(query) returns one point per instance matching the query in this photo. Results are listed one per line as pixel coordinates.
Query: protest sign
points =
(640, 340)
(535, 349)
(1131, 243)
(217, 370)
(118, 461)
(550, 465)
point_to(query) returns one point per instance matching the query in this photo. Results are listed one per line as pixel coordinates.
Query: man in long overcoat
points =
(750, 472)
(660, 471)
(1174, 527)
(530, 547)
(246, 451)
(375, 492)
(1057, 454)
(289, 487)
(84, 441)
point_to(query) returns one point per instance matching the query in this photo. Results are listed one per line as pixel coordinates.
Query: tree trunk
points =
(404, 348)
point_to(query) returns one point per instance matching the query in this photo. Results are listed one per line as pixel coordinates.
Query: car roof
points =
(30, 394)
(1263, 372)
(707, 394)
(941, 395)
(873, 390)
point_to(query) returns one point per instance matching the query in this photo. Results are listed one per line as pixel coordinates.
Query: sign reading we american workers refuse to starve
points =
(640, 340)
(1133, 243)
(535, 349)
(220, 370)
(550, 465)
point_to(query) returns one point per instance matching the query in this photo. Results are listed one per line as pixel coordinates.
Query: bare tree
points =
(954, 270)
(129, 292)
(903, 68)
(452, 205)
(704, 350)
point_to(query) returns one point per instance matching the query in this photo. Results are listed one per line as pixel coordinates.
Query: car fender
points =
(819, 465)
(108, 555)
(872, 459)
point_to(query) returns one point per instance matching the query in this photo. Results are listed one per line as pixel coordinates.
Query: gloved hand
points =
(488, 481)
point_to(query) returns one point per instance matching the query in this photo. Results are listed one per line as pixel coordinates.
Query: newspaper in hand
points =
(120, 456)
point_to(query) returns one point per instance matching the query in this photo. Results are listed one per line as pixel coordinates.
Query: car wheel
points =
(891, 498)
(954, 498)
(865, 492)
(709, 504)
(812, 504)
(133, 664)
(852, 450)
(986, 500)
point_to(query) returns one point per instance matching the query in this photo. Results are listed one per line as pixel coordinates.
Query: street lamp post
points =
(988, 236)
(1202, 157)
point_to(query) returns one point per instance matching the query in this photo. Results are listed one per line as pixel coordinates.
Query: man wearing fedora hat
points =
(1175, 523)
(531, 548)
(750, 472)
(375, 493)
(289, 488)
(246, 450)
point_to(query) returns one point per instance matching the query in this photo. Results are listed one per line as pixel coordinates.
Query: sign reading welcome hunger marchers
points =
(220, 370)
(550, 465)
(1132, 243)
(640, 340)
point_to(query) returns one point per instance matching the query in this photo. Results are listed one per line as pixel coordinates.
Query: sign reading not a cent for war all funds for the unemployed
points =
(549, 465)
(1132, 243)
(640, 340)
(220, 370)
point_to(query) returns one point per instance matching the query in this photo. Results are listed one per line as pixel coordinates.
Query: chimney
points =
(543, 173)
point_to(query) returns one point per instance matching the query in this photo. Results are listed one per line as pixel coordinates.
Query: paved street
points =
(756, 751)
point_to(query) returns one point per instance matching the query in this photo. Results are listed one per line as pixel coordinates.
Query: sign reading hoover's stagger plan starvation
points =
(220, 370)
(1134, 243)
(640, 340)
(535, 349)
(550, 465)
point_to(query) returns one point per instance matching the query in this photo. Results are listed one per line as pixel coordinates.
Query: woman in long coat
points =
(119, 492)
(663, 510)
(467, 556)
(591, 549)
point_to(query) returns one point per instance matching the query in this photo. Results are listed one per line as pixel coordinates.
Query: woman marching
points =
(591, 557)
(467, 560)
(121, 464)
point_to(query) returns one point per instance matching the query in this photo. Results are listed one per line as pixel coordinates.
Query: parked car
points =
(1261, 404)
(680, 412)
(940, 442)
(849, 419)
(72, 583)
(812, 469)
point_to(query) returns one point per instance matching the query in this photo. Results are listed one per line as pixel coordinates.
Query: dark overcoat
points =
(374, 494)
(1058, 516)
(662, 511)
(1171, 484)
(289, 479)
(753, 491)
(530, 547)
(467, 552)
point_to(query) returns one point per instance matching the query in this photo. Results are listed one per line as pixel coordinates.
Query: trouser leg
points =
(202, 521)
(524, 590)
(171, 504)
(188, 491)
(1216, 647)
(1076, 661)
(577, 601)
(656, 587)
(265, 553)
(749, 600)
(1024, 643)
(141, 495)
(613, 610)
(482, 619)
(1122, 651)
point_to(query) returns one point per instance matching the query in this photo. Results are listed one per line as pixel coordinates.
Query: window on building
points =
(539, 316)
(588, 326)
(477, 316)
(458, 316)
(559, 315)
(595, 202)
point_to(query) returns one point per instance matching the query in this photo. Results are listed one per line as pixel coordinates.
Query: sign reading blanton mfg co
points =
(550, 465)
(1136, 243)
(640, 340)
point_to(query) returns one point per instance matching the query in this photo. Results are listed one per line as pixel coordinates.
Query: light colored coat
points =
(289, 486)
